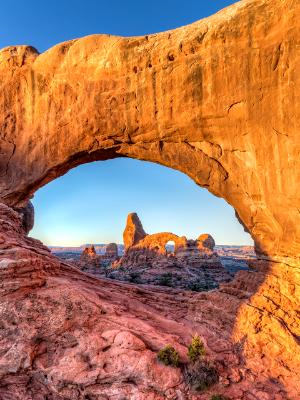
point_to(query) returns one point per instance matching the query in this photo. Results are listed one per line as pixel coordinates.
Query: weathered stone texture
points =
(217, 100)
(111, 250)
(133, 231)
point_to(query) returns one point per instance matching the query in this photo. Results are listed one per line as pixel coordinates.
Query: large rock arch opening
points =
(217, 100)
(213, 100)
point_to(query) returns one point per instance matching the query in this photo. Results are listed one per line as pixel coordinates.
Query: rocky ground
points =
(166, 271)
(67, 335)
(172, 274)
(217, 100)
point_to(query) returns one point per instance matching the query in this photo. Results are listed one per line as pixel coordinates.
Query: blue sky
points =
(90, 203)
(43, 24)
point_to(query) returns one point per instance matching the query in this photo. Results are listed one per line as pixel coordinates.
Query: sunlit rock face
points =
(205, 242)
(217, 100)
(134, 231)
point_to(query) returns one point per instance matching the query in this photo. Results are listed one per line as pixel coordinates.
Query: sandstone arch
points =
(158, 241)
(170, 247)
(217, 100)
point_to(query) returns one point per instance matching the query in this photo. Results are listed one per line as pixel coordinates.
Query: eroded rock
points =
(111, 251)
(192, 265)
(219, 102)
(206, 241)
(134, 231)
(89, 253)
(65, 334)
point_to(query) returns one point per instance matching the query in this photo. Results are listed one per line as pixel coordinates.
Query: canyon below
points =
(217, 100)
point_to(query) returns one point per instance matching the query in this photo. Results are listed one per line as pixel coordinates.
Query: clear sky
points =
(90, 203)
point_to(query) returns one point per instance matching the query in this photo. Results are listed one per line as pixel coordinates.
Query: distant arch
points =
(170, 247)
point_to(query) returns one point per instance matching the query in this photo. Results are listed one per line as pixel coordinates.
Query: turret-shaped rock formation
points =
(134, 231)
(193, 264)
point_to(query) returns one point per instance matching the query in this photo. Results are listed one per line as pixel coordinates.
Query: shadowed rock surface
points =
(217, 100)
(111, 251)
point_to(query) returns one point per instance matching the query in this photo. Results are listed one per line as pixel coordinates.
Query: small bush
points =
(166, 279)
(200, 286)
(201, 375)
(168, 356)
(196, 349)
(219, 397)
(134, 277)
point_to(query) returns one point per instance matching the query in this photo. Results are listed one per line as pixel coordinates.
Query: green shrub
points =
(219, 397)
(196, 349)
(134, 277)
(200, 286)
(166, 279)
(168, 356)
(200, 375)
